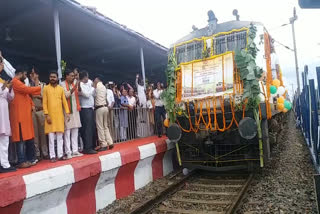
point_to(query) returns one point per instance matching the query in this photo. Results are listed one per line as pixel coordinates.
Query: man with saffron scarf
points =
(72, 126)
(54, 102)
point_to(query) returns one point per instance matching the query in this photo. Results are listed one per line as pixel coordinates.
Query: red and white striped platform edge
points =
(88, 183)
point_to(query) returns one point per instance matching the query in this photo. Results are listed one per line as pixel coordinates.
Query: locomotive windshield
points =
(217, 44)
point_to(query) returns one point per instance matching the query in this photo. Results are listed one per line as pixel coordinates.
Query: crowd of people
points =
(65, 119)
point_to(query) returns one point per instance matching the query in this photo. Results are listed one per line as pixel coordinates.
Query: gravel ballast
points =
(284, 185)
(127, 204)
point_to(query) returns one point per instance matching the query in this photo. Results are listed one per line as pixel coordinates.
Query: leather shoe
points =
(89, 152)
(53, 160)
(24, 165)
(10, 169)
(102, 149)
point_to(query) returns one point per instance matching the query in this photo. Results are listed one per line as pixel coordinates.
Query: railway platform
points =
(88, 183)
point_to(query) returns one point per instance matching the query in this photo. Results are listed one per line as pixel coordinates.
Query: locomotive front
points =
(222, 81)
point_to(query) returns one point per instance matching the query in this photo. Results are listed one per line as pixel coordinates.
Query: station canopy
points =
(89, 40)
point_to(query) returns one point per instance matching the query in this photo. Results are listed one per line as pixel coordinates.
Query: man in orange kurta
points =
(21, 118)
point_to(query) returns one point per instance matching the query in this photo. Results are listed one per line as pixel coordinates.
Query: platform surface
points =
(119, 147)
(89, 183)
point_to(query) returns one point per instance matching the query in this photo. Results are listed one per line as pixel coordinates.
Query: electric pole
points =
(292, 20)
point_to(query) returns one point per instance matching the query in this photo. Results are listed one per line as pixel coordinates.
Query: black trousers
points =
(88, 129)
(25, 149)
(160, 115)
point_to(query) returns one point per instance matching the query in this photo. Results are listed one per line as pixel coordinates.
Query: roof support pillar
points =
(142, 67)
(57, 38)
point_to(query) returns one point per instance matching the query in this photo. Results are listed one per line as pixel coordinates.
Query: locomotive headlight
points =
(248, 128)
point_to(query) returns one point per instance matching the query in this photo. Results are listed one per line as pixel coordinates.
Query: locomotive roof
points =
(223, 27)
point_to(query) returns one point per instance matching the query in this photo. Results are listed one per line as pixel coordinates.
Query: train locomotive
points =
(213, 124)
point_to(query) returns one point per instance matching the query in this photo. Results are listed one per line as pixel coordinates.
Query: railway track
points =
(199, 193)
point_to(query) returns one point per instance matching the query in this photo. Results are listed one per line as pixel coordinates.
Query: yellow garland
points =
(208, 125)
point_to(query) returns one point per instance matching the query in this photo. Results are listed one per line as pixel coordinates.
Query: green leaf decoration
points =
(169, 95)
(250, 73)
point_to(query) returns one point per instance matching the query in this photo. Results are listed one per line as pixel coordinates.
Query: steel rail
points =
(161, 196)
(176, 187)
(234, 206)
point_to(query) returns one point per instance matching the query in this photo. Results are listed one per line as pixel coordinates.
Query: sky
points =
(166, 21)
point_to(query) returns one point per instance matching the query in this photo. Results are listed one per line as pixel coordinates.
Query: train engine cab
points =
(217, 67)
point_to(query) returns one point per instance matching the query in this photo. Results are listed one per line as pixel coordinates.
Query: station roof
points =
(89, 40)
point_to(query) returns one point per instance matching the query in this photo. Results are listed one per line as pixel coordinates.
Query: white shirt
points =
(87, 94)
(27, 82)
(131, 101)
(141, 94)
(101, 95)
(157, 96)
(10, 71)
(5, 97)
(149, 104)
(110, 97)
(8, 68)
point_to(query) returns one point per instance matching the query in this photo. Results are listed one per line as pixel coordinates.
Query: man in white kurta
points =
(6, 95)
(71, 126)
(141, 109)
(141, 92)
